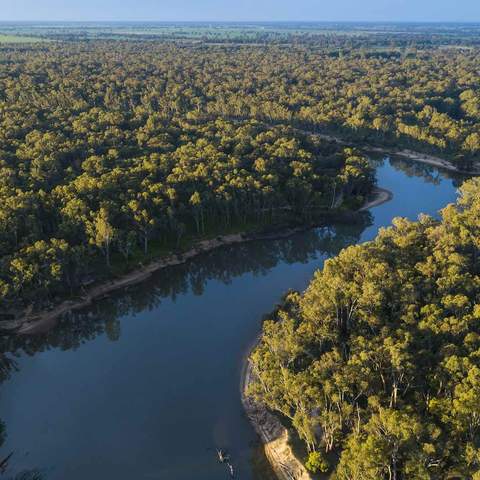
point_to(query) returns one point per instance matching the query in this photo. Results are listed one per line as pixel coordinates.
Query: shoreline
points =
(273, 435)
(33, 323)
(379, 197)
(426, 159)
(412, 155)
(43, 320)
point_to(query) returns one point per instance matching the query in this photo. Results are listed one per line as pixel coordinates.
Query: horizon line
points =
(467, 22)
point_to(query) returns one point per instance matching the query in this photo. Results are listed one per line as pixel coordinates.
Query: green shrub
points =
(316, 462)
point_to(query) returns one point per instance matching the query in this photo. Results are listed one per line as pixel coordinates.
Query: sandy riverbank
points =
(426, 159)
(274, 436)
(405, 153)
(379, 197)
(42, 321)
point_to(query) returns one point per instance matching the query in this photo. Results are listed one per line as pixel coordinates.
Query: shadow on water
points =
(428, 173)
(8, 365)
(173, 344)
(224, 265)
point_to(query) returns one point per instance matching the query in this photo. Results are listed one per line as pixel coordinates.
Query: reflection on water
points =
(427, 173)
(144, 384)
(233, 268)
(257, 258)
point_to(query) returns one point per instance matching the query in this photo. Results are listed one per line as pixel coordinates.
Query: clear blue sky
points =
(237, 10)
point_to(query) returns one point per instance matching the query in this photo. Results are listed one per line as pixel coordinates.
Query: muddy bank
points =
(35, 322)
(274, 436)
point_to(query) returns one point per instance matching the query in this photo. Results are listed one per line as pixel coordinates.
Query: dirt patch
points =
(274, 436)
(379, 197)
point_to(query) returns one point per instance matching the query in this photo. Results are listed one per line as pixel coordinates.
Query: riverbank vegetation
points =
(113, 150)
(377, 364)
(61, 216)
(93, 170)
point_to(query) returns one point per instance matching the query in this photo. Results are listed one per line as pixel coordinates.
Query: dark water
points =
(145, 385)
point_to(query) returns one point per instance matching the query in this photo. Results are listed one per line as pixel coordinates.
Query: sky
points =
(241, 10)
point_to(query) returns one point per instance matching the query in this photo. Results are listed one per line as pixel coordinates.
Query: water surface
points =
(145, 385)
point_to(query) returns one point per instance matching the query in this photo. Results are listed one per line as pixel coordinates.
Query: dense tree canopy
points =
(110, 149)
(108, 145)
(55, 217)
(103, 150)
(379, 360)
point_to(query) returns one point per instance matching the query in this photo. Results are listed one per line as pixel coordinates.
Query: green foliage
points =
(108, 205)
(114, 146)
(316, 462)
(379, 358)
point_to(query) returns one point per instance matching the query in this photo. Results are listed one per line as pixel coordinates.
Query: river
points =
(145, 384)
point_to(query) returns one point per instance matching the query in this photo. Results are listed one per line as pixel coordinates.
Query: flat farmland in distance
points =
(8, 38)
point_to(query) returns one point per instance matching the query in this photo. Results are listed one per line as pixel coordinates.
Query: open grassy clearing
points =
(8, 38)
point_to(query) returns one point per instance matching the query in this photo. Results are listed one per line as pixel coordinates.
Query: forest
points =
(377, 364)
(120, 144)
(112, 152)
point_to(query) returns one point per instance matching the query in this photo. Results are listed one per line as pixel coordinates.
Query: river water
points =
(145, 384)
